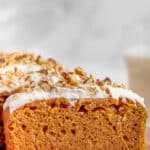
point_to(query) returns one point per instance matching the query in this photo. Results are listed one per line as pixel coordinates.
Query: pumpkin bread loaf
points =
(57, 109)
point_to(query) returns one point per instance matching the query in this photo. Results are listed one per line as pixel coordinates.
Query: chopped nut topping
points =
(43, 71)
(80, 71)
(107, 81)
(99, 82)
(46, 77)
(118, 86)
(45, 85)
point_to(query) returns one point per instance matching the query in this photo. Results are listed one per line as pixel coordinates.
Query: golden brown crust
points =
(90, 124)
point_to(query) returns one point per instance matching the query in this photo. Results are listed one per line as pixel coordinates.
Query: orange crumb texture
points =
(89, 125)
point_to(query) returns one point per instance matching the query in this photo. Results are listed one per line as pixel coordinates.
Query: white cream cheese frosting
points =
(19, 82)
(20, 99)
(71, 85)
(10, 82)
(125, 93)
(20, 67)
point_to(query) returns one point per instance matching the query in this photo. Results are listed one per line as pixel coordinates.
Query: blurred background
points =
(97, 35)
(105, 37)
(92, 34)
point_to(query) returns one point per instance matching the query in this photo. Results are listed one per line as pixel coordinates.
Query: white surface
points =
(91, 34)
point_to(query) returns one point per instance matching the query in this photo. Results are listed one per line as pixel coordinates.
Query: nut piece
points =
(107, 81)
(80, 71)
